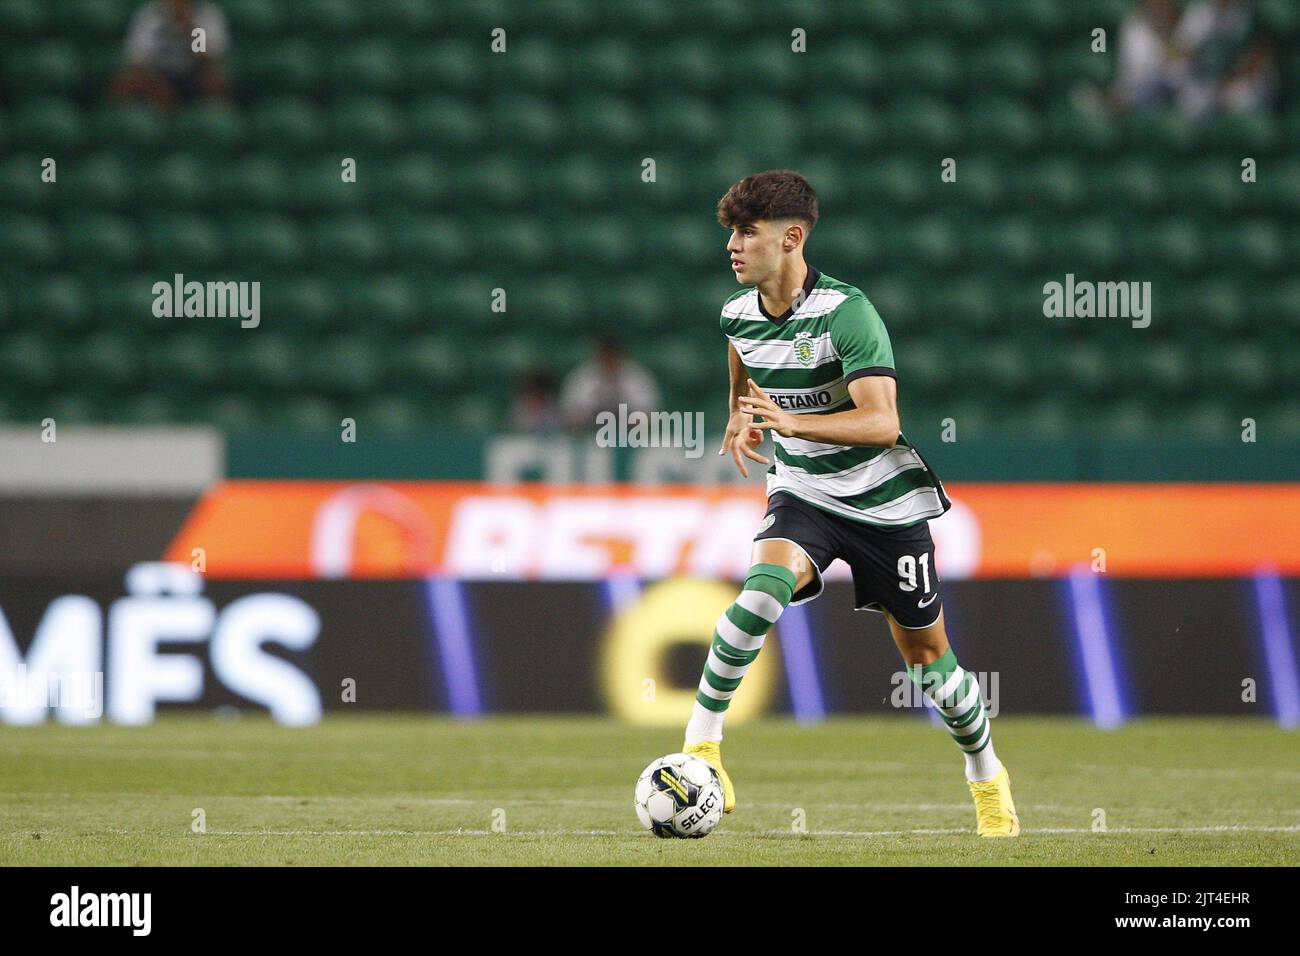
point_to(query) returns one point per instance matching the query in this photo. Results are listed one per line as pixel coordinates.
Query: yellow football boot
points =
(710, 751)
(995, 813)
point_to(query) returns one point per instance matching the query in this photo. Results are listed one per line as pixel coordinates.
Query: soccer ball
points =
(679, 796)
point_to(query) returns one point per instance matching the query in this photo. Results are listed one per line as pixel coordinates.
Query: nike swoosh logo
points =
(928, 601)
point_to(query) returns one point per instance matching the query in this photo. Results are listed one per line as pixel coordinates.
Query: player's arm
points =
(741, 435)
(873, 422)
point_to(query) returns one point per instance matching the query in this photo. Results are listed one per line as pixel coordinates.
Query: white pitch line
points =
(1225, 828)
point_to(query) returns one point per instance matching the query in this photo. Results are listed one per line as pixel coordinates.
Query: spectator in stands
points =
(164, 68)
(1147, 76)
(1226, 63)
(536, 408)
(605, 381)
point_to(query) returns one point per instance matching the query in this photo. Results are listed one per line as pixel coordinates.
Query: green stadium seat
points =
(1093, 245)
(60, 300)
(106, 361)
(365, 123)
(446, 122)
(48, 66)
(851, 65)
(689, 64)
(420, 241)
(153, 409)
(611, 63)
(78, 408)
(1167, 368)
(234, 412)
(1175, 243)
(312, 413)
(29, 360)
(527, 120)
(285, 65)
(1002, 123)
(1257, 245)
(686, 121)
(1209, 420)
(23, 18)
(447, 65)
(1076, 130)
(189, 358)
(262, 241)
(20, 182)
(269, 362)
(252, 20)
(970, 302)
(345, 365)
(1008, 64)
(349, 242)
(28, 241)
(329, 18)
(181, 181)
(532, 62)
(288, 123)
(901, 181)
(304, 301)
(1135, 181)
(612, 122)
(103, 180)
(929, 64)
(1048, 419)
(390, 413)
(98, 240)
(1042, 18)
(51, 124)
(184, 242)
(133, 125)
(922, 122)
(1057, 182)
(253, 182)
(366, 65)
(432, 363)
(1217, 305)
(210, 127)
(389, 299)
(895, 298)
(1013, 242)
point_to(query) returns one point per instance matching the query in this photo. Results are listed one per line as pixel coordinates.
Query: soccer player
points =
(809, 356)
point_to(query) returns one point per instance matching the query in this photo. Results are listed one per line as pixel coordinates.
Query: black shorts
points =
(893, 568)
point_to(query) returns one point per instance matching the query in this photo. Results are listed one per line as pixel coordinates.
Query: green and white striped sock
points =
(737, 639)
(957, 695)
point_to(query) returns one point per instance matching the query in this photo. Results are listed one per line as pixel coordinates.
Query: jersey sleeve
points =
(859, 337)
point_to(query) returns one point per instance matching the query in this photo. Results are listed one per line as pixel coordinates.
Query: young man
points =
(810, 356)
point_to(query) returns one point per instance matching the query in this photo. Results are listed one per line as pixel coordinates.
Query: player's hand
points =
(774, 416)
(740, 439)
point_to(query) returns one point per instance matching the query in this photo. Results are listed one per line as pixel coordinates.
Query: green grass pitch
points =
(426, 790)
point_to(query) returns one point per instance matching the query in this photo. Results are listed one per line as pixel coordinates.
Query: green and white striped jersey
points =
(804, 361)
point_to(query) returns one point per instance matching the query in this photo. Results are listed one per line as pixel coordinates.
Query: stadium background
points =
(447, 560)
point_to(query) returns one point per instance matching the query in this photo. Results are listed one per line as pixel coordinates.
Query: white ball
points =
(679, 795)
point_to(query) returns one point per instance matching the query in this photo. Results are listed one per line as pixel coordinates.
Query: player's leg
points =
(780, 568)
(894, 570)
(932, 664)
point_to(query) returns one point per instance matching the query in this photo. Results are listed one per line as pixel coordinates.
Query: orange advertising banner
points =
(321, 529)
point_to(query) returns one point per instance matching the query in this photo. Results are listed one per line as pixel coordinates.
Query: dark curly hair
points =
(775, 194)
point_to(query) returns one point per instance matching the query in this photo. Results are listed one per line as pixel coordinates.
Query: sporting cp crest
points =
(803, 348)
